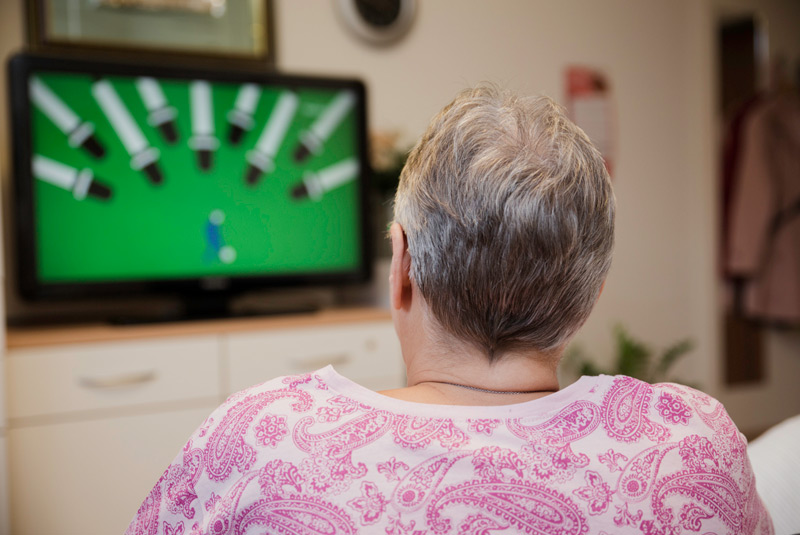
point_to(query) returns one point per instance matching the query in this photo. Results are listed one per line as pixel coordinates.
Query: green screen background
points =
(148, 231)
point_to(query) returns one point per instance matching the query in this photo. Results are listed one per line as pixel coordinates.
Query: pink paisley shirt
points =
(319, 454)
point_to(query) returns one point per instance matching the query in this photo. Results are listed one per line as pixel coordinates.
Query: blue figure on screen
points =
(216, 249)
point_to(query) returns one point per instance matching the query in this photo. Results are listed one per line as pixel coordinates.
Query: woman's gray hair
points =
(509, 215)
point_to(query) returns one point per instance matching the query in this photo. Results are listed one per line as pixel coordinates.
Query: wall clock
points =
(379, 22)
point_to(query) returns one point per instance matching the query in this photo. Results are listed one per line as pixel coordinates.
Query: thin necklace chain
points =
(490, 391)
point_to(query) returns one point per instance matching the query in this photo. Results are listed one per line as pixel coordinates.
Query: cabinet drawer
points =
(367, 353)
(69, 378)
(92, 475)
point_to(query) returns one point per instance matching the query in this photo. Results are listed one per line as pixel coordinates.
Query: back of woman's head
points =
(509, 215)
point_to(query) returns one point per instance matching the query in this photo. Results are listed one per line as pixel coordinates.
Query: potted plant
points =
(633, 358)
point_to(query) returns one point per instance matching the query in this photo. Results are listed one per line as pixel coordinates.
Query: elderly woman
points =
(504, 223)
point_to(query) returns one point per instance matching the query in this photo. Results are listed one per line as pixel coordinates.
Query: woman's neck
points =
(436, 361)
(440, 368)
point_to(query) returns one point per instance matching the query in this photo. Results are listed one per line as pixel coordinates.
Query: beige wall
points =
(526, 45)
(10, 36)
(659, 58)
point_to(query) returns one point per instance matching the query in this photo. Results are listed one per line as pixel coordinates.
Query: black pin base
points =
(153, 173)
(169, 132)
(205, 159)
(93, 147)
(235, 134)
(99, 191)
(299, 191)
(253, 175)
(301, 153)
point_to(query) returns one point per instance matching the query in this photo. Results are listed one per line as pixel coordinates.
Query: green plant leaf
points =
(577, 363)
(670, 356)
(633, 357)
(589, 368)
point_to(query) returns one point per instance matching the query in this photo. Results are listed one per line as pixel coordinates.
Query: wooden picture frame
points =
(185, 31)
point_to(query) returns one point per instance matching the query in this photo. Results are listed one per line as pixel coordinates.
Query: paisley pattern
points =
(315, 454)
(596, 492)
(337, 442)
(414, 490)
(572, 423)
(716, 491)
(228, 447)
(417, 432)
(479, 525)
(625, 412)
(639, 476)
(295, 515)
(552, 463)
(672, 409)
(180, 481)
(528, 507)
(146, 520)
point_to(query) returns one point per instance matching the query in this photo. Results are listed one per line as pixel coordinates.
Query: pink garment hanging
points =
(764, 239)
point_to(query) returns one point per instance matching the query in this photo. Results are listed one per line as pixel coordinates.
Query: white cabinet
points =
(367, 353)
(89, 477)
(76, 378)
(96, 415)
(93, 426)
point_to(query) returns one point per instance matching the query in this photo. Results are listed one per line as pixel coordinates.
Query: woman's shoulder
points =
(307, 382)
(629, 409)
(284, 394)
(622, 387)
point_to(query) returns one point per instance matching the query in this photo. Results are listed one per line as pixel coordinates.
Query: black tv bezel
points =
(19, 69)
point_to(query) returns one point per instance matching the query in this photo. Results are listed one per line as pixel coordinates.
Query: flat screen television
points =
(136, 179)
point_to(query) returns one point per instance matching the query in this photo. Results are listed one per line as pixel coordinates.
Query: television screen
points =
(131, 176)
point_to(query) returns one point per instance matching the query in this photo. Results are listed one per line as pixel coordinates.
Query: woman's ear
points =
(400, 271)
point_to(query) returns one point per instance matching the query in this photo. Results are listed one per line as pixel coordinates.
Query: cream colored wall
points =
(645, 48)
(527, 45)
(659, 58)
(10, 39)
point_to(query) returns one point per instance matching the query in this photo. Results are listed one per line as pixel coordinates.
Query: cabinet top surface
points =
(19, 337)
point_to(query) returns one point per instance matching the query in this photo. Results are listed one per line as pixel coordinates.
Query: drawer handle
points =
(321, 361)
(129, 379)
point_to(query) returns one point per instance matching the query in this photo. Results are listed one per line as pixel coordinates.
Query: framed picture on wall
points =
(227, 31)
